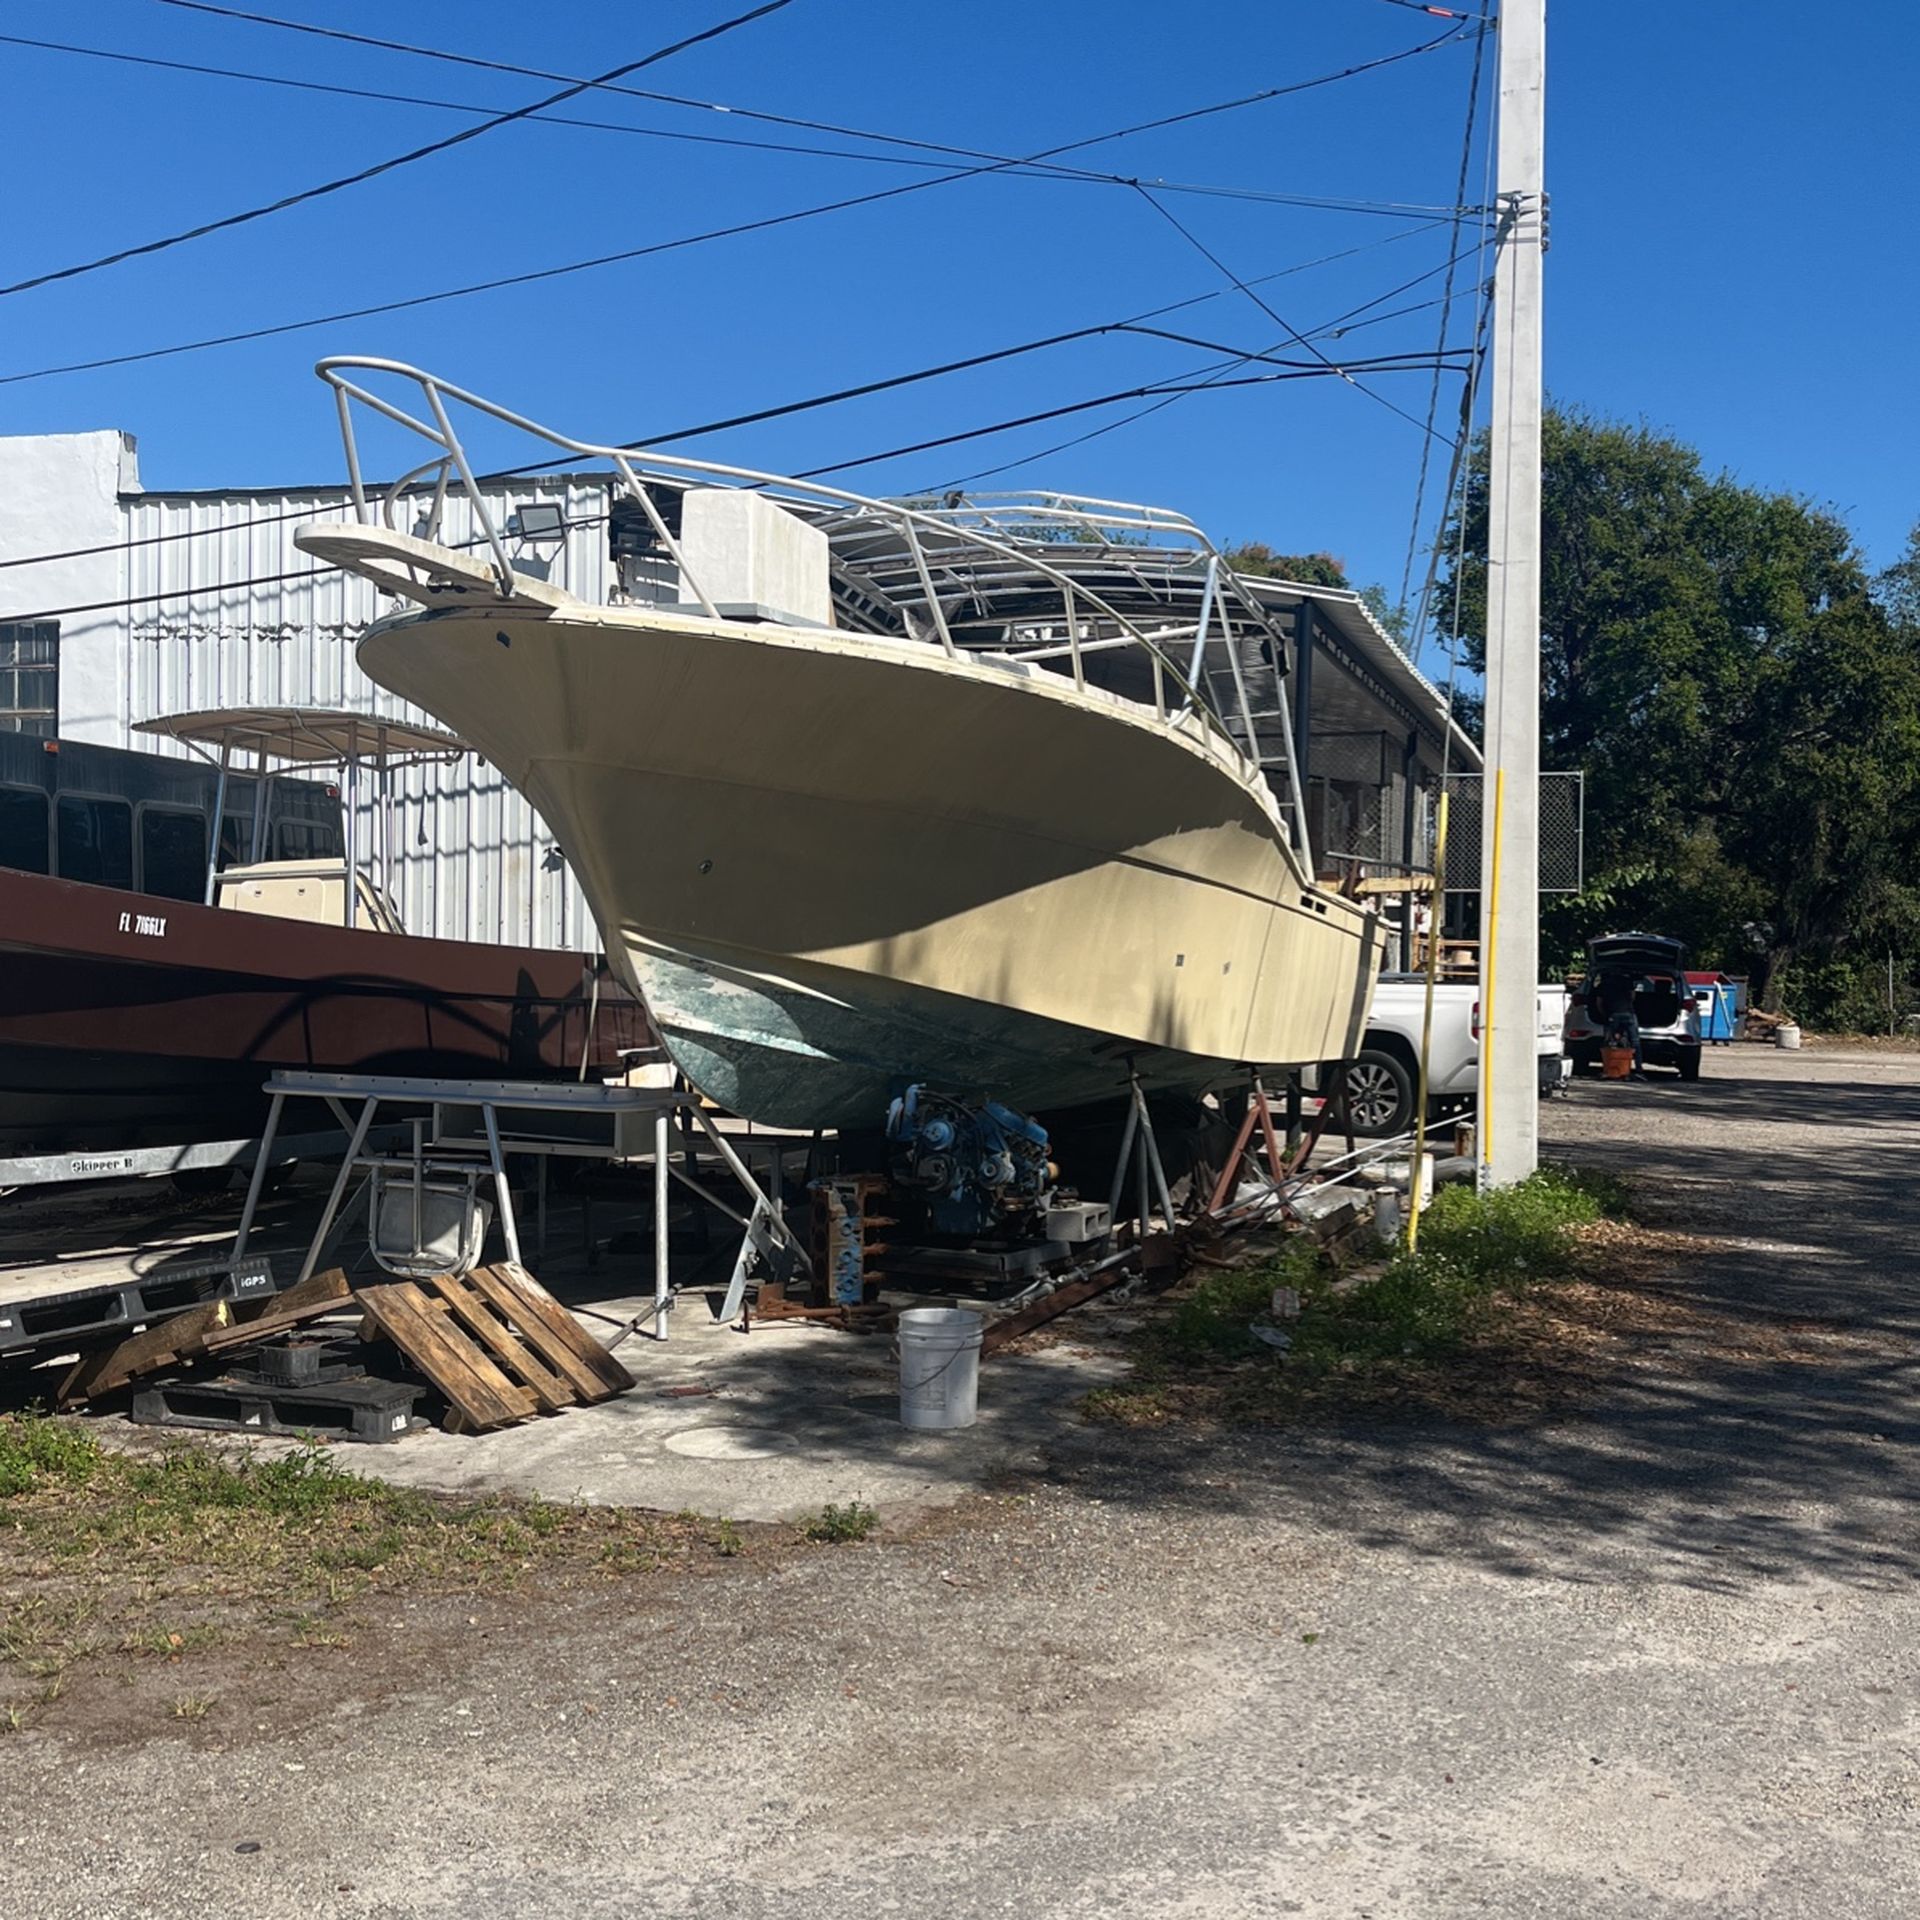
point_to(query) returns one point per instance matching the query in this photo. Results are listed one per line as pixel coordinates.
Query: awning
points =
(316, 736)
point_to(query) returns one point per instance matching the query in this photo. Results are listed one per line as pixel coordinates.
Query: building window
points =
(173, 853)
(30, 677)
(23, 830)
(96, 840)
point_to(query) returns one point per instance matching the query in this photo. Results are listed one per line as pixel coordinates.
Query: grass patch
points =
(835, 1526)
(1365, 1335)
(163, 1555)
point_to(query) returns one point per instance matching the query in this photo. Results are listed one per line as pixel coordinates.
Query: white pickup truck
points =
(1383, 1077)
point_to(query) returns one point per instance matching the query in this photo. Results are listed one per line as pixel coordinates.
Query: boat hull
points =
(831, 864)
(130, 1021)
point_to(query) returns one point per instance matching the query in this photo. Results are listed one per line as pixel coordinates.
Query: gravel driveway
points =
(1654, 1657)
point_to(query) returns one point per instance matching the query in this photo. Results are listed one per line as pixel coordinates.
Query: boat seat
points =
(422, 570)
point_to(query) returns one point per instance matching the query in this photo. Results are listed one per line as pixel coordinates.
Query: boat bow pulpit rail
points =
(1131, 600)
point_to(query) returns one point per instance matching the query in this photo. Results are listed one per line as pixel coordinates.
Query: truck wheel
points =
(1689, 1064)
(1379, 1093)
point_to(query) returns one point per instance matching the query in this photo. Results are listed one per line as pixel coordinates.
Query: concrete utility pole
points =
(1510, 842)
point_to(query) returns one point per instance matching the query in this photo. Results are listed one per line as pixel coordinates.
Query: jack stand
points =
(1281, 1163)
(1259, 1114)
(1138, 1144)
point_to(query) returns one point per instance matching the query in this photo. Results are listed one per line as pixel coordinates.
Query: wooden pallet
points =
(495, 1343)
(199, 1331)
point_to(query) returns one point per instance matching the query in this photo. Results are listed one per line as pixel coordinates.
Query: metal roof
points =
(1353, 622)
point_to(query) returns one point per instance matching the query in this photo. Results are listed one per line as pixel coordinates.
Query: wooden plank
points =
(513, 1355)
(583, 1381)
(202, 1329)
(157, 1346)
(552, 1331)
(281, 1312)
(478, 1390)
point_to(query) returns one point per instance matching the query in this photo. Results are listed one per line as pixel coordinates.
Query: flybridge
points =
(1128, 599)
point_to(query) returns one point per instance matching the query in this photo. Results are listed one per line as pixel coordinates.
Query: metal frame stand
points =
(1245, 1154)
(572, 1111)
(1138, 1145)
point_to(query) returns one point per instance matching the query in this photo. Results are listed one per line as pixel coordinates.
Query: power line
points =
(1206, 377)
(1242, 286)
(1134, 323)
(407, 159)
(782, 119)
(1414, 364)
(1256, 195)
(1446, 322)
(1082, 406)
(737, 229)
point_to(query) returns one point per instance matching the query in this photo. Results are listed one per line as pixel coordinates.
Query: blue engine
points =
(981, 1165)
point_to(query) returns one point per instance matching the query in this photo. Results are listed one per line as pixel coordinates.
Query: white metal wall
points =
(472, 860)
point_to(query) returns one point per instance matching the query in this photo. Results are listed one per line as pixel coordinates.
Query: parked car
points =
(1649, 972)
(1383, 1077)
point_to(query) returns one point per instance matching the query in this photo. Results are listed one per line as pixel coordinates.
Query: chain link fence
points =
(1356, 797)
(1562, 832)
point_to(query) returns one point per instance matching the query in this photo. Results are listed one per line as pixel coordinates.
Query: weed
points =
(193, 1706)
(309, 1631)
(36, 1448)
(835, 1525)
(12, 1718)
(727, 1539)
(1421, 1308)
(1211, 1322)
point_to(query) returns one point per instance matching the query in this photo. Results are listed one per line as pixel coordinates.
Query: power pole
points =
(1510, 833)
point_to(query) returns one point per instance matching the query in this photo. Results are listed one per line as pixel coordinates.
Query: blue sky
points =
(1732, 248)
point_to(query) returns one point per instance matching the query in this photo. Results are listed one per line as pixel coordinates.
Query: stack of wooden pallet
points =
(495, 1344)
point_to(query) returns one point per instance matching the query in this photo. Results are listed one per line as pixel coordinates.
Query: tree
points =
(1747, 712)
(1309, 569)
(1316, 570)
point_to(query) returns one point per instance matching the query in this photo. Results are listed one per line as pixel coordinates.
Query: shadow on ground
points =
(1687, 1468)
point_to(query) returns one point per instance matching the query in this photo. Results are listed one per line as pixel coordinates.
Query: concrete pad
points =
(769, 1425)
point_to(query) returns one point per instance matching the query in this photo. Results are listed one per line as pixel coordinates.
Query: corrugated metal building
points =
(167, 602)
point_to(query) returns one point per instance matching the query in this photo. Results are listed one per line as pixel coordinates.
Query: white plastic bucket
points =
(1786, 1036)
(939, 1366)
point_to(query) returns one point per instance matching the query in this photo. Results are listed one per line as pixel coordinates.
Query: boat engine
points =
(981, 1166)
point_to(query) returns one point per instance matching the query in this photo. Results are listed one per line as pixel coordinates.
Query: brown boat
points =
(132, 1019)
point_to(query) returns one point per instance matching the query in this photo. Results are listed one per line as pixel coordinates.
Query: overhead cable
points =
(735, 112)
(1446, 322)
(1245, 287)
(1262, 196)
(538, 274)
(1134, 323)
(1203, 377)
(1414, 364)
(363, 174)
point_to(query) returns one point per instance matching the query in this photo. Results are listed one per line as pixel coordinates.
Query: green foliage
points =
(835, 1525)
(34, 1448)
(1309, 569)
(298, 1485)
(1472, 1248)
(1211, 1322)
(1745, 703)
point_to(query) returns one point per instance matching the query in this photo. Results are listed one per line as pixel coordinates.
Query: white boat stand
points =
(1137, 1143)
(484, 1121)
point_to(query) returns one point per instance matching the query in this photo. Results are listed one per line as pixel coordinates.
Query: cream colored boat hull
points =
(831, 864)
